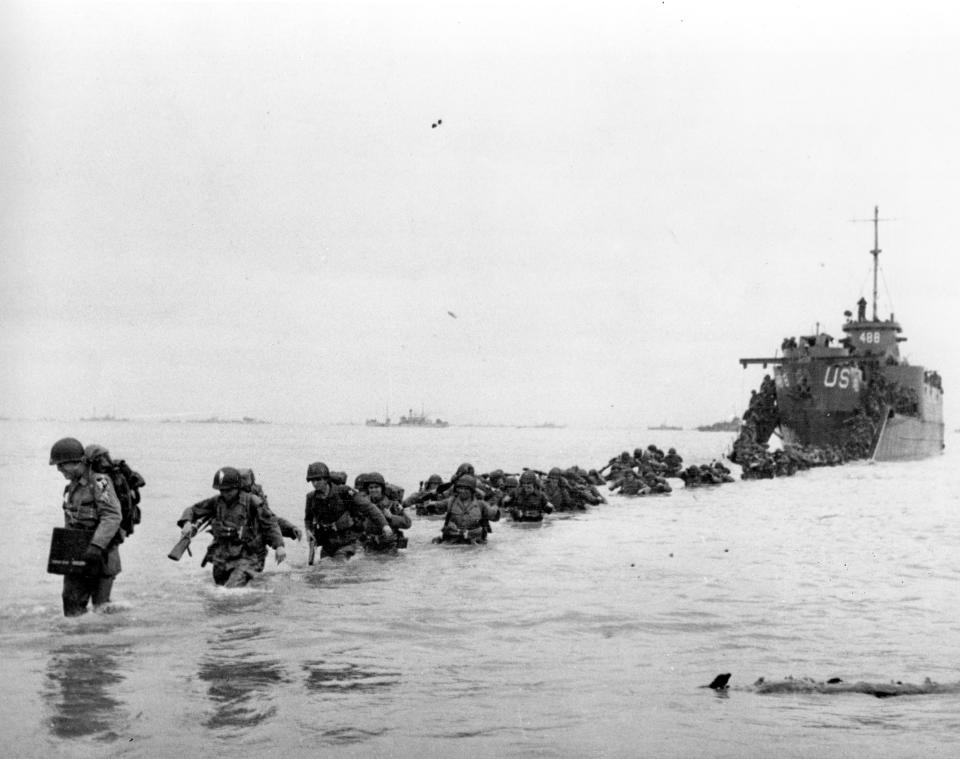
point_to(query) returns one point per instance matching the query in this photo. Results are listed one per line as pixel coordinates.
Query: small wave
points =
(343, 736)
(326, 676)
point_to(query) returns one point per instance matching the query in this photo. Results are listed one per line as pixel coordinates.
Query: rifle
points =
(184, 543)
(311, 555)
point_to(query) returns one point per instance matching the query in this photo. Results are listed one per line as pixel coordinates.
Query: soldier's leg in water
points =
(76, 594)
(101, 593)
(220, 575)
(239, 576)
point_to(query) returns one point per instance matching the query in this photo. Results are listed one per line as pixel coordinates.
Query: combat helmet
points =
(226, 478)
(66, 450)
(374, 478)
(318, 471)
(434, 479)
(467, 481)
(93, 452)
(529, 477)
(247, 478)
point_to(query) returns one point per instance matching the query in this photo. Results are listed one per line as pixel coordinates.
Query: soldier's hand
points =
(93, 557)
(281, 554)
(187, 530)
(387, 531)
(297, 533)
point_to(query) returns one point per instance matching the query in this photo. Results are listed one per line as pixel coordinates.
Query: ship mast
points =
(876, 255)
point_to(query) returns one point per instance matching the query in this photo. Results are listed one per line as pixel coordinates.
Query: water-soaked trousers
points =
(78, 590)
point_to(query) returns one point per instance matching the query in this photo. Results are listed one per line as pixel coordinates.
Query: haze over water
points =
(586, 636)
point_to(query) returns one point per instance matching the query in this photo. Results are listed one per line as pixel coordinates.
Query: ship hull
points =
(904, 438)
(832, 399)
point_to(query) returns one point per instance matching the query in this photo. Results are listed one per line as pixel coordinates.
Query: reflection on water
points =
(242, 685)
(340, 681)
(81, 690)
(326, 676)
(321, 579)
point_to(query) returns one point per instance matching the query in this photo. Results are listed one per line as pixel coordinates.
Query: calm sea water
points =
(586, 636)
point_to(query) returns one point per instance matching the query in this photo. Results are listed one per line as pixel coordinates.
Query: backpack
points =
(126, 484)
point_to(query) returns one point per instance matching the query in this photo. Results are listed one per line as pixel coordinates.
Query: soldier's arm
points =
(365, 508)
(399, 519)
(269, 527)
(288, 529)
(414, 499)
(308, 514)
(199, 510)
(108, 512)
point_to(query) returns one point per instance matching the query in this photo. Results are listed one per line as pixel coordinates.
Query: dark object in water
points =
(836, 685)
(720, 682)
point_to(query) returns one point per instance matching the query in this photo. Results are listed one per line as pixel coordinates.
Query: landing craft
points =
(860, 395)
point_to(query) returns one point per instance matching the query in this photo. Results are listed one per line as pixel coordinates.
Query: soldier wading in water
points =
(468, 517)
(335, 515)
(241, 525)
(90, 505)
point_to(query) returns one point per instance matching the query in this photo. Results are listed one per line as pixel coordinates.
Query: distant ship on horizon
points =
(104, 418)
(409, 420)
(420, 420)
(664, 426)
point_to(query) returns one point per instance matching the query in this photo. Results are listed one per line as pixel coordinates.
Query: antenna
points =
(875, 252)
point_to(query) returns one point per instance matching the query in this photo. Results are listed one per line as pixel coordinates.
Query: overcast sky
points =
(244, 209)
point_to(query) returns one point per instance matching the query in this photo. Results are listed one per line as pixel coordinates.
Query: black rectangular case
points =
(66, 551)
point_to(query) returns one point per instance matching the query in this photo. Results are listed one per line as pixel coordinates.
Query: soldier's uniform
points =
(90, 504)
(527, 507)
(468, 521)
(288, 529)
(240, 530)
(428, 500)
(336, 520)
(398, 519)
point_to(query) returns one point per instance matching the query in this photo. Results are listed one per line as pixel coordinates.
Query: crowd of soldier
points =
(340, 520)
(645, 472)
(855, 440)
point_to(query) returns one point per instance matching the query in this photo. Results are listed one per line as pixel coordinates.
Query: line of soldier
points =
(644, 472)
(571, 489)
(101, 498)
